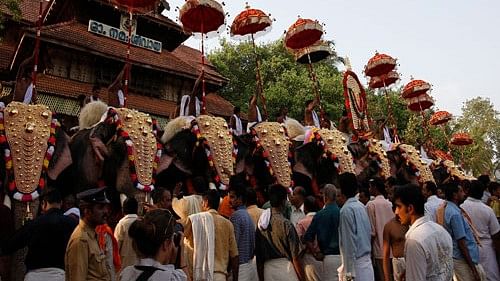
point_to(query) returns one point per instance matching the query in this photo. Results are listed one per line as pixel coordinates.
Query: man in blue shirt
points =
(354, 234)
(325, 228)
(244, 231)
(465, 249)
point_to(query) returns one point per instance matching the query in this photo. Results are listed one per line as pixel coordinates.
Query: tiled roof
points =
(6, 53)
(73, 89)
(217, 105)
(76, 34)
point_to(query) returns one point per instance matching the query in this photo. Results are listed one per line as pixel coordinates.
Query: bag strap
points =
(147, 271)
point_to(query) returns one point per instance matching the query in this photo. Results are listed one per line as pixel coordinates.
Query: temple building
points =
(83, 52)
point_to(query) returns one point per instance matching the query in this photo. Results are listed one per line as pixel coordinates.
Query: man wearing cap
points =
(84, 259)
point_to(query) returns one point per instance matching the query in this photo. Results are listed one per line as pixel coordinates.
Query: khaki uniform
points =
(84, 259)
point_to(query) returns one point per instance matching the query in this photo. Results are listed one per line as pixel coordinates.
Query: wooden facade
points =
(74, 59)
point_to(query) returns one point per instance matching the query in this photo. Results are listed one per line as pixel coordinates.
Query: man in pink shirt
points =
(379, 212)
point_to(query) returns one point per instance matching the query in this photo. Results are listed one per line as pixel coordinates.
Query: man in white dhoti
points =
(488, 229)
(235, 121)
(212, 238)
(278, 249)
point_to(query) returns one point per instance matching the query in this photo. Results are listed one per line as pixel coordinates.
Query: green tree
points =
(481, 120)
(285, 82)
(9, 8)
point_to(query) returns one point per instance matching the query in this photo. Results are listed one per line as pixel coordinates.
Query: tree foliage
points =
(481, 120)
(285, 82)
(9, 8)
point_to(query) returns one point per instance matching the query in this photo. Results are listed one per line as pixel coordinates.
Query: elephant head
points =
(118, 149)
(371, 159)
(445, 171)
(35, 151)
(201, 146)
(408, 165)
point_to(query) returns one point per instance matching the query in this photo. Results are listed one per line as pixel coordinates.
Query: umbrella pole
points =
(313, 77)
(391, 116)
(424, 125)
(37, 53)
(443, 128)
(127, 61)
(203, 100)
(260, 86)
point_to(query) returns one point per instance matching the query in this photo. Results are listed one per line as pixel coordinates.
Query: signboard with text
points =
(121, 35)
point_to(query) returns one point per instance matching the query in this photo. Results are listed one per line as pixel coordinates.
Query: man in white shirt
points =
(379, 212)
(428, 246)
(127, 253)
(429, 190)
(297, 198)
(487, 228)
(235, 122)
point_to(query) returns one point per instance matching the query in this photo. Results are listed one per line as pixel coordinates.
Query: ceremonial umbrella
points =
(381, 69)
(251, 22)
(440, 118)
(461, 139)
(202, 16)
(299, 38)
(132, 6)
(415, 88)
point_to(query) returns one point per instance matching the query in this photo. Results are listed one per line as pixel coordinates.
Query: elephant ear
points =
(176, 126)
(62, 155)
(295, 130)
(91, 114)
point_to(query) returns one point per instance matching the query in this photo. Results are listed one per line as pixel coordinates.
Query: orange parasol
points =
(383, 80)
(251, 22)
(440, 117)
(315, 53)
(420, 103)
(202, 16)
(380, 64)
(381, 69)
(415, 88)
(460, 139)
(439, 154)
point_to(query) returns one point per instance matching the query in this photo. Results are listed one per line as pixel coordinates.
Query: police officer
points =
(84, 259)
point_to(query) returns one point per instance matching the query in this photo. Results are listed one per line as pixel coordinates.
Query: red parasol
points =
(440, 117)
(420, 103)
(382, 70)
(380, 64)
(303, 33)
(136, 5)
(383, 80)
(202, 16)
(250, 22)
(415, 88)
(460, 139)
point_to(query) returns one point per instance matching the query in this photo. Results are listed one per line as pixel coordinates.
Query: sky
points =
(454, 45)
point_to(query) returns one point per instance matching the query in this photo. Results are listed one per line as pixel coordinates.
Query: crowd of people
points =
(347, 232)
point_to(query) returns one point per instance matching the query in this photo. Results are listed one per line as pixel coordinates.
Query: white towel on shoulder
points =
(204, 246)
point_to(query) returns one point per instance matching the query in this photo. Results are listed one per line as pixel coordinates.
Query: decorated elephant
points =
(201, 146)
(35, 153)
(117, 148)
